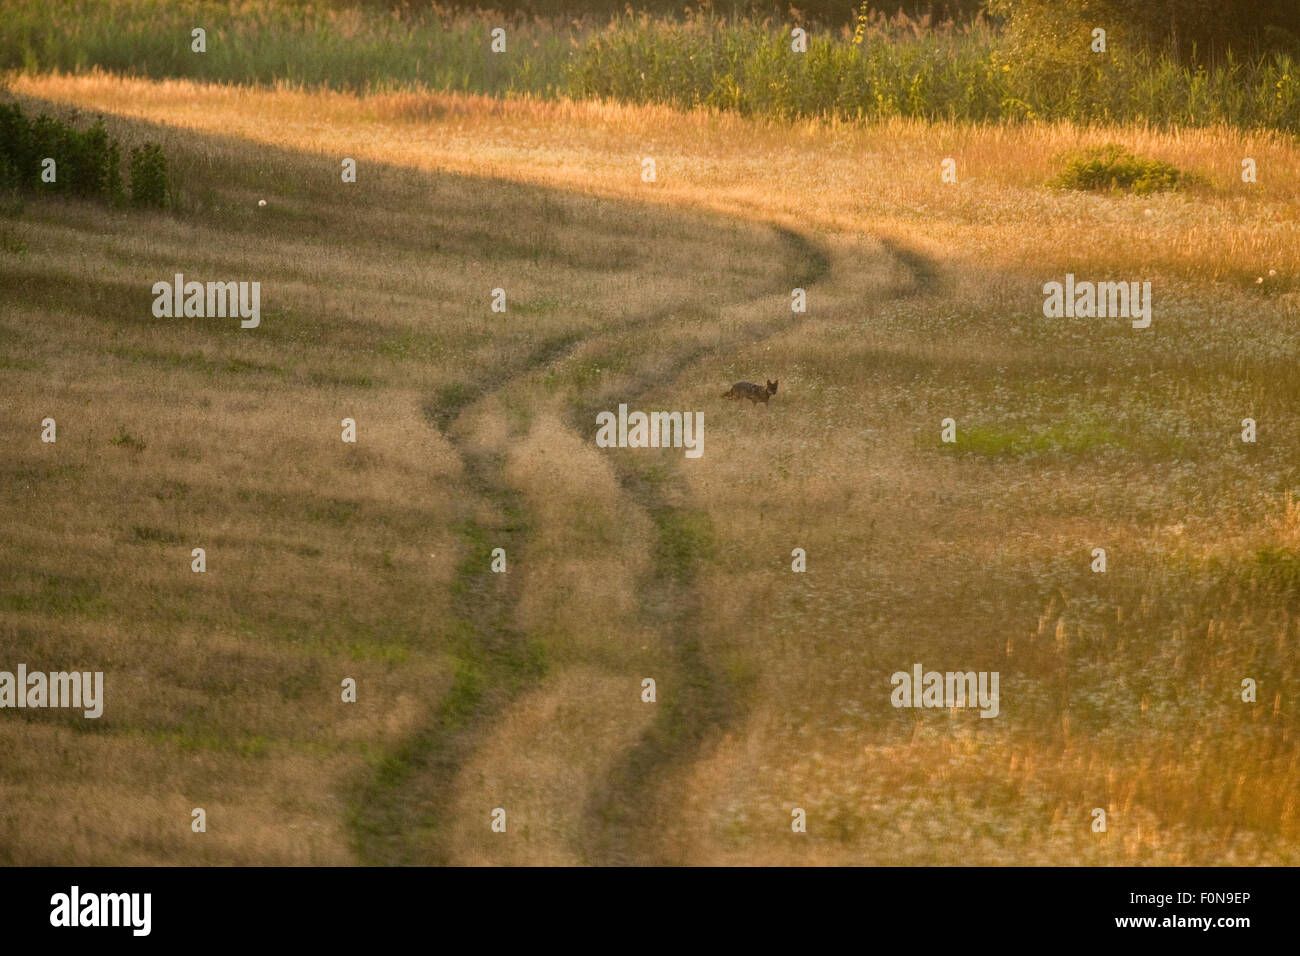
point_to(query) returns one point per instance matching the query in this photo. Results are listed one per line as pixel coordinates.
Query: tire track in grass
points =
(697, 703)
(395, 818)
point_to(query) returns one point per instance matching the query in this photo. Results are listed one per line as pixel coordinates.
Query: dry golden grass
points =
(1118, 691)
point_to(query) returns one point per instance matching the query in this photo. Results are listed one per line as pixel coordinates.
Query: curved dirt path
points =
(396, 817)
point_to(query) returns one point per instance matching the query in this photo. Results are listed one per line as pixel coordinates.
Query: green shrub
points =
(88, 162)
(149, 176)
(1113, 167)
(16, 153)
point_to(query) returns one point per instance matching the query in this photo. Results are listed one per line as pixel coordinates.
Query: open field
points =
(475, 431)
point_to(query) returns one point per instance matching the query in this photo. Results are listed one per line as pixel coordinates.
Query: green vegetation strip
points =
(884, 68)
(47, 155)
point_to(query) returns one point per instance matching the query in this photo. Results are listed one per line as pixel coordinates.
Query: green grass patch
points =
(57, 595)
(462, 700)
(1112, 167)
(189, 741)
(411, 345)
(385, 653)
(685, 540)
(124, 439)
(448, 402)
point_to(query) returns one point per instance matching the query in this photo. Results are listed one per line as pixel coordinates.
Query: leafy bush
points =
(87, 162)
(1113, 167)
(149, 176)
(16, 151)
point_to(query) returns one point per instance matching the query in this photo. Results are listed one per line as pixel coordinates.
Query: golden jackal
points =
(755, 393)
